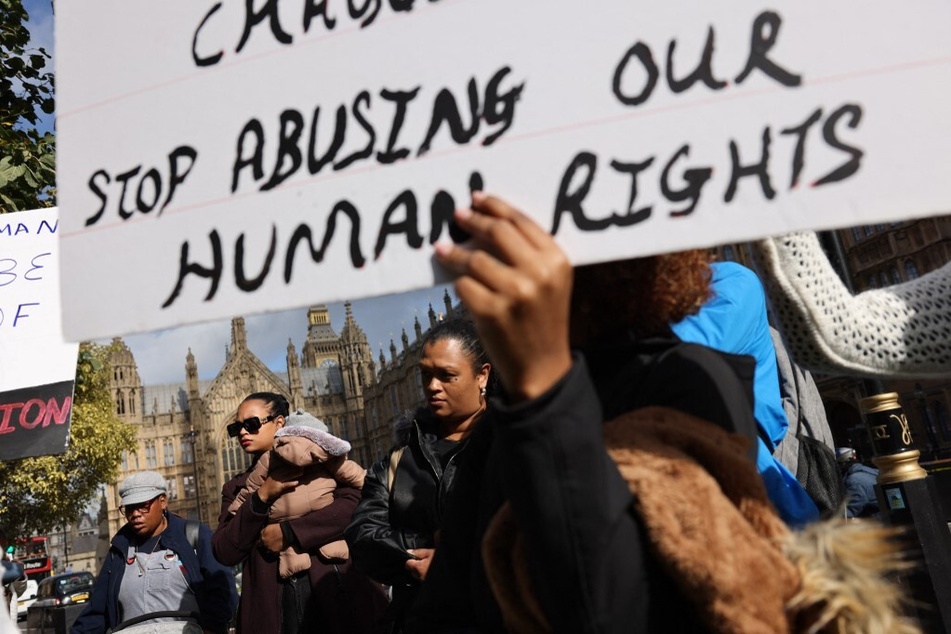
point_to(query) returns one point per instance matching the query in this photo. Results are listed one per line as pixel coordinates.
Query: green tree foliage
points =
(28, 160)
(38, 494)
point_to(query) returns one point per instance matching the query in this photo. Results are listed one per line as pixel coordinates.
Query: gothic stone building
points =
(181, 426)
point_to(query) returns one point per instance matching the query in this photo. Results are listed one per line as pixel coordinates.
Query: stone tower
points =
(322, 343)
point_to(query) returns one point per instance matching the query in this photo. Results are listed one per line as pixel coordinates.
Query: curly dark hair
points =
(640, 295)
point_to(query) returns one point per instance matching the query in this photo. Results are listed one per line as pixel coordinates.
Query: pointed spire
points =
(405, 339)
(191, 375)
(418, 328)
(393, 351)
(239, 335)
(447, 300)
(432, 316)
(293, 361)
(382, 358)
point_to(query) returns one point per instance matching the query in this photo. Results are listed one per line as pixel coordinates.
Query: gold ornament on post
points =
(895, 454)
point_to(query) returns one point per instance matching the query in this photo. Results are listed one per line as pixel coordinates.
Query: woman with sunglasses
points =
(392, 535)
(332, 597)
(160, 574)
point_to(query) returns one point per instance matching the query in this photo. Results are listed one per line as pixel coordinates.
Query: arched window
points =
(896, 278)
(911, 271)
(234, 460)
(728, 253)
(857, 234)
(871, 282)
(883, 279)
(869, 230)
(188, 450)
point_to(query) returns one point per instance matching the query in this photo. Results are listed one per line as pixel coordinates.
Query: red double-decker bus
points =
(33, 554)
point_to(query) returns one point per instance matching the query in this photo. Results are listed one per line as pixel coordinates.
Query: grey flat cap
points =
(141, 487)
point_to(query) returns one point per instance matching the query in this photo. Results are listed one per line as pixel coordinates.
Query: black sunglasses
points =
(251, 424)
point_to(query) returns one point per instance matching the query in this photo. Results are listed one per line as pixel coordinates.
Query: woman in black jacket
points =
(393, 532)
(541, 451)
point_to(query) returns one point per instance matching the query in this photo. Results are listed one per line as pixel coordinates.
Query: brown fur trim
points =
(706, 515)
(713, 531)
(847, 567)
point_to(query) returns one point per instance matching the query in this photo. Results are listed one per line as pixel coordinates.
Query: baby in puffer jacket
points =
(305, 450)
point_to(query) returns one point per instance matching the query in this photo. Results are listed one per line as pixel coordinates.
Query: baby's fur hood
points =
(327, 441)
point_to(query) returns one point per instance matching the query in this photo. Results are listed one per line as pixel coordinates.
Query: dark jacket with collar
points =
(590, 569)
(342, 600)
(212, 582)
(387, 522)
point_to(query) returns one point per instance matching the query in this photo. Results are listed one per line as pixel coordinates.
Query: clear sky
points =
(161, 356)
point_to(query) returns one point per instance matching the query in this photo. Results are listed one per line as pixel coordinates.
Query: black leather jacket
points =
(388, 522)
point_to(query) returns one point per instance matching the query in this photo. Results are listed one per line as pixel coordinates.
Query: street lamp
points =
(193, 435)
(926, 418)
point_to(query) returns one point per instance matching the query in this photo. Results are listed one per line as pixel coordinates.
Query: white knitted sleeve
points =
(899, 331)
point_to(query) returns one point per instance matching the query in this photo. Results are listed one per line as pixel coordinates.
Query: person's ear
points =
(484, 375)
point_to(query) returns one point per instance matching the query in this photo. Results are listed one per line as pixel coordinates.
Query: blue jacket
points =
(734, 320)
(859, 482)
(212, 582)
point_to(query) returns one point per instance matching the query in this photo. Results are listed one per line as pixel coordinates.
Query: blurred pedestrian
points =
(858, 480)
(14, 582)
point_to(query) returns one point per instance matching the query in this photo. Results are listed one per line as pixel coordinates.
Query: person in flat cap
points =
(160, 574)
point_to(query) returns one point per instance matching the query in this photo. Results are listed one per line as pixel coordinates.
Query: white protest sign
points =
(37, 367)
(221, 158)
